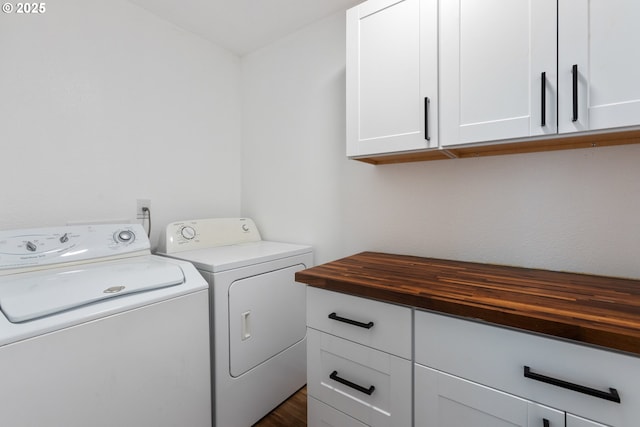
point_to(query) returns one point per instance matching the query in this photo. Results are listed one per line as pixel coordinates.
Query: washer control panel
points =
(207, 233)
(124, 236)
(57, 245)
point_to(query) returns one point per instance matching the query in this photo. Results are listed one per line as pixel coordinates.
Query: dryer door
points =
(267, 314)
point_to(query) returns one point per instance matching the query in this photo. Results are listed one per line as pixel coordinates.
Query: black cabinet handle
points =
(545, 422)
(574, 72)
(612, 395)
(543, 99)
(334, 316)
(426, 118)
(334, 376)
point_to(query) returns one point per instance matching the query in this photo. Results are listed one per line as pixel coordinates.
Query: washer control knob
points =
(125, 236)
(31, 247)
(188, 232)
(245, 228)
(64, 238)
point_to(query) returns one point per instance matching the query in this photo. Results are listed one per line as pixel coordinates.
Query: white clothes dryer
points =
(96, 331)
(258, 313)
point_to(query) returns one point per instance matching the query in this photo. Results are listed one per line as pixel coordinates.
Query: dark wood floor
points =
(291, 413)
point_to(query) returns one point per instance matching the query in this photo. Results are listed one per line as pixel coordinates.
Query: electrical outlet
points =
(143, 203)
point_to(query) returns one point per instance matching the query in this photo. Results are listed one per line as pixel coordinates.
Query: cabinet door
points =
(442, 400)
(573, 421)
(391, 69)
(599, 38)
(492, 56)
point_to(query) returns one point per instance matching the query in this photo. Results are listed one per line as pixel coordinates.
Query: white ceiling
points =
(242, 26)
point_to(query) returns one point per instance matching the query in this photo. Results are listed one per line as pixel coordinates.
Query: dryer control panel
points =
(207, 233)
(40, 247)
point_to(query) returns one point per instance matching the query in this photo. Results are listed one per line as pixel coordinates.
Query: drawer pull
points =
(574, 75)
(334, 376)
(426, 119)
(543, 102)
(334, 316)
(612, 395)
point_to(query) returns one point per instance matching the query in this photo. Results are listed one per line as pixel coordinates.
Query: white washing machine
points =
(258, 313)
(95, 331)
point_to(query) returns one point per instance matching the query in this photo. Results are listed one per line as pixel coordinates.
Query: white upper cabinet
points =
(425, 74)
(497, 69)
(494, 54)
(392, 83)
(599, 40)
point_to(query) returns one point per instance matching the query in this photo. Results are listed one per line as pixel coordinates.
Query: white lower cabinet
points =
(371, 363)
(444, 400)
(355, 376)
(469, 373)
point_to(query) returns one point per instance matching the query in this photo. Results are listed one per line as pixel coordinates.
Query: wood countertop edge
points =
(556, 327)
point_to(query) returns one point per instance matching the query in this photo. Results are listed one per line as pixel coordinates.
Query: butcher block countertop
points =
(597, 310)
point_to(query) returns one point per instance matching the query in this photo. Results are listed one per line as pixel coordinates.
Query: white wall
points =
(293, 127)
(575, 210)
(102, 103)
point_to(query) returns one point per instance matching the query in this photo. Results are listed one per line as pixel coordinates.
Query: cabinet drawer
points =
(496, 357)
(391, 329)
(321, 415)
(370, 385)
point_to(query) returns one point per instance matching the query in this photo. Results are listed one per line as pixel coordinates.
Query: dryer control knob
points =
(188, 232)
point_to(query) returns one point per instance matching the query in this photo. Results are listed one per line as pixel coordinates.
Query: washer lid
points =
(27, 297)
